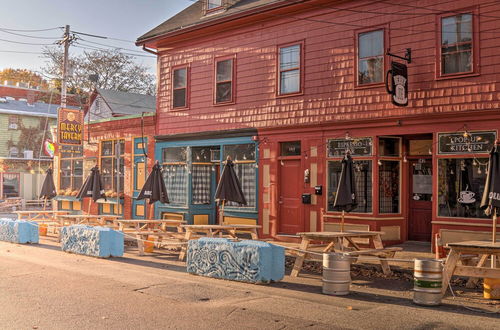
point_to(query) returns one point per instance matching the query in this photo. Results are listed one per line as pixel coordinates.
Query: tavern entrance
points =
(420, 189)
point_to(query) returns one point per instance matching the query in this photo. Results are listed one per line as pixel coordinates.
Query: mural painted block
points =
(18, 231)
(246, 261)
(92, 241)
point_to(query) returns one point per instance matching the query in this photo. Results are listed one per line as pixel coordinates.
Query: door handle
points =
(280, 201)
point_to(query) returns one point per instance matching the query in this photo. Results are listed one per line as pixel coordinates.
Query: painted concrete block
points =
(18, 231)
(246, 261)
(99, 242)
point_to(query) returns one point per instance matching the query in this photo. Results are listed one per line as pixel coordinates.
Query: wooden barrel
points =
(427, 282)
(336, 274)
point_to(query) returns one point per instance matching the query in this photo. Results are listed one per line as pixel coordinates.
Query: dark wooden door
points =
(291, 219)
(420, 204)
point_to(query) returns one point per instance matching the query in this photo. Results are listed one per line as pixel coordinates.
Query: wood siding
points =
(330, 94)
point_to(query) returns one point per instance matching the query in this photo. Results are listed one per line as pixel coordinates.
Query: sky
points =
(118, 19)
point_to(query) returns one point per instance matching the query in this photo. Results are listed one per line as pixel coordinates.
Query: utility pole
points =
(66, 41)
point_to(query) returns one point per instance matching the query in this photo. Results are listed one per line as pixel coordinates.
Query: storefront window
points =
(290, 148)
(389, 147)
(10, 185)
(175, 174)
(243, 156)
(363, 178)
(389, 192)
(201, 174)
(71, 170)
(112, 164)
(461, 183)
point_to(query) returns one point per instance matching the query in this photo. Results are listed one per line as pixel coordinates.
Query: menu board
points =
(479, 142)
(357, 146)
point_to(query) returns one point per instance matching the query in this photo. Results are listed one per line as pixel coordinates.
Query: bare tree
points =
(114, 70)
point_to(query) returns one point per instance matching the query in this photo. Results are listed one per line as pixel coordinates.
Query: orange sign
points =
(70, 127)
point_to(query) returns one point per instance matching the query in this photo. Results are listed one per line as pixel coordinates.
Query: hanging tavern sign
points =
(358, 147)
(70, 127)
(466, 143)
(399, 84)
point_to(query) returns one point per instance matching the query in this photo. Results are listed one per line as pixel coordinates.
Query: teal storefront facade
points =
(192, 165)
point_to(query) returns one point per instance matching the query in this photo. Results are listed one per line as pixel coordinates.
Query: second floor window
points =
(456, 44)
(224, 81)
(180, 78)
(289, 69)
(212, 4)
(371, 57)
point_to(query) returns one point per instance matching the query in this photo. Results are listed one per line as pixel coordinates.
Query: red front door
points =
(291, 220)
(420, 210)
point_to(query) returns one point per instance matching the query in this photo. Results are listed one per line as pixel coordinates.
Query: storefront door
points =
(420, 203)
(291, 220)
(140, 175)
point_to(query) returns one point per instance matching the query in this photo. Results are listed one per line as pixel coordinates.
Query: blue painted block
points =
(99, 242)
(246, 261)
(18, 231)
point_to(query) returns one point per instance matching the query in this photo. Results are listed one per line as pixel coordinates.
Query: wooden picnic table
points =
(158, 228)
(228, 230)
(345, 241)
(482, 248)
(89, 219)
(39, 215)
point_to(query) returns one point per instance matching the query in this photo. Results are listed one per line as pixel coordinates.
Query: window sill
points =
(281, 96)
(367, 86)
(221, 104)
(458, 76)
(66, 198)
(179, 109)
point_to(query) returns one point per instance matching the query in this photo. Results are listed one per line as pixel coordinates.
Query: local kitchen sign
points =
(398, 84)
(466, 143)
(70, 127)
(357, 146)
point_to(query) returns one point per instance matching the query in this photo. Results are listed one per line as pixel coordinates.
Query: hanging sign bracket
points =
(407, 57)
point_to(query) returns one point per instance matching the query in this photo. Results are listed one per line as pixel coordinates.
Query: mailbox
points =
(306, 198)
(318, 190)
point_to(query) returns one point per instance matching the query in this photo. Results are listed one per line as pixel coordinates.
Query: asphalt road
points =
(44, 288)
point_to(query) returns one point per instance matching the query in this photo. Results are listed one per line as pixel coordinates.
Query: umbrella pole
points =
(342, 222)
(151, 209)
(45, 203)
(493, 257)
(221, 213)
(88, 208)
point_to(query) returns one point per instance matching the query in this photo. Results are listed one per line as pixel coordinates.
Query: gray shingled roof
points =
(193, 15)
(125, 103)
(36, 109)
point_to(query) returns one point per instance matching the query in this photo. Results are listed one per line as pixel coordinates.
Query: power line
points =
(102, 37)
(28, 36)
(119, 48)
(19, 52)
(84, 46)
(25, 43)
(39, 30)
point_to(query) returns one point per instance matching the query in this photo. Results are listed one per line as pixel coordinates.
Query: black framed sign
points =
(479, 142)
(358, 147)
(398, 83)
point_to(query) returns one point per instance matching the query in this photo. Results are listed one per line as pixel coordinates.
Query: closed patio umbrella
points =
(154, 188)
(48, 190)
(229, 187)
(345, 198)
(491, 195)
(92, 187)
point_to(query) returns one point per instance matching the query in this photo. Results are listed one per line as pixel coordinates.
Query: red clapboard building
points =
(310, 77)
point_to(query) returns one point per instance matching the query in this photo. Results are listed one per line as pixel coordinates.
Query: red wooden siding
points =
(329, 62)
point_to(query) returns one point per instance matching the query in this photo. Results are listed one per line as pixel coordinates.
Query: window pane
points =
(290, 82)
(201, 154)
(363, 179)
(202, 183)
(371, 44)
(289, 57)
(290, 148)
(180, 78)
(175, 177)
(176, 154)
(456, 29)
(122, 147)
(389, 187)
(460, 184)
(225, 70)
(224, 92)
(247, 176)
(179, 98)
(10, 185)
(65, 174)
(107, 172)
(107, 148)
(389, 147)
(77, 174)
(240, 152)
(214, 4)
(457, 62)
(371, 70)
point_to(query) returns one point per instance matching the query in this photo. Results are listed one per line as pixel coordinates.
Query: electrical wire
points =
(83, 46)
(28, 36)
(26, 43)
(119, 48)
(39, 30)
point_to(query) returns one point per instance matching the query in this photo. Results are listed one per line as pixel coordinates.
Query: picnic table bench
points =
(345, 242)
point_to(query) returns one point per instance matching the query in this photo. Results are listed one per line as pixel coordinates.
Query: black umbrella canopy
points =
(48, 188)
(345, 199)
(154, 188)
(491, 194)
(229, 187)
(92, 187)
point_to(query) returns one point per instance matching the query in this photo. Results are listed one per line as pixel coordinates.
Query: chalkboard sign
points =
(471, 143)
(358, 147)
